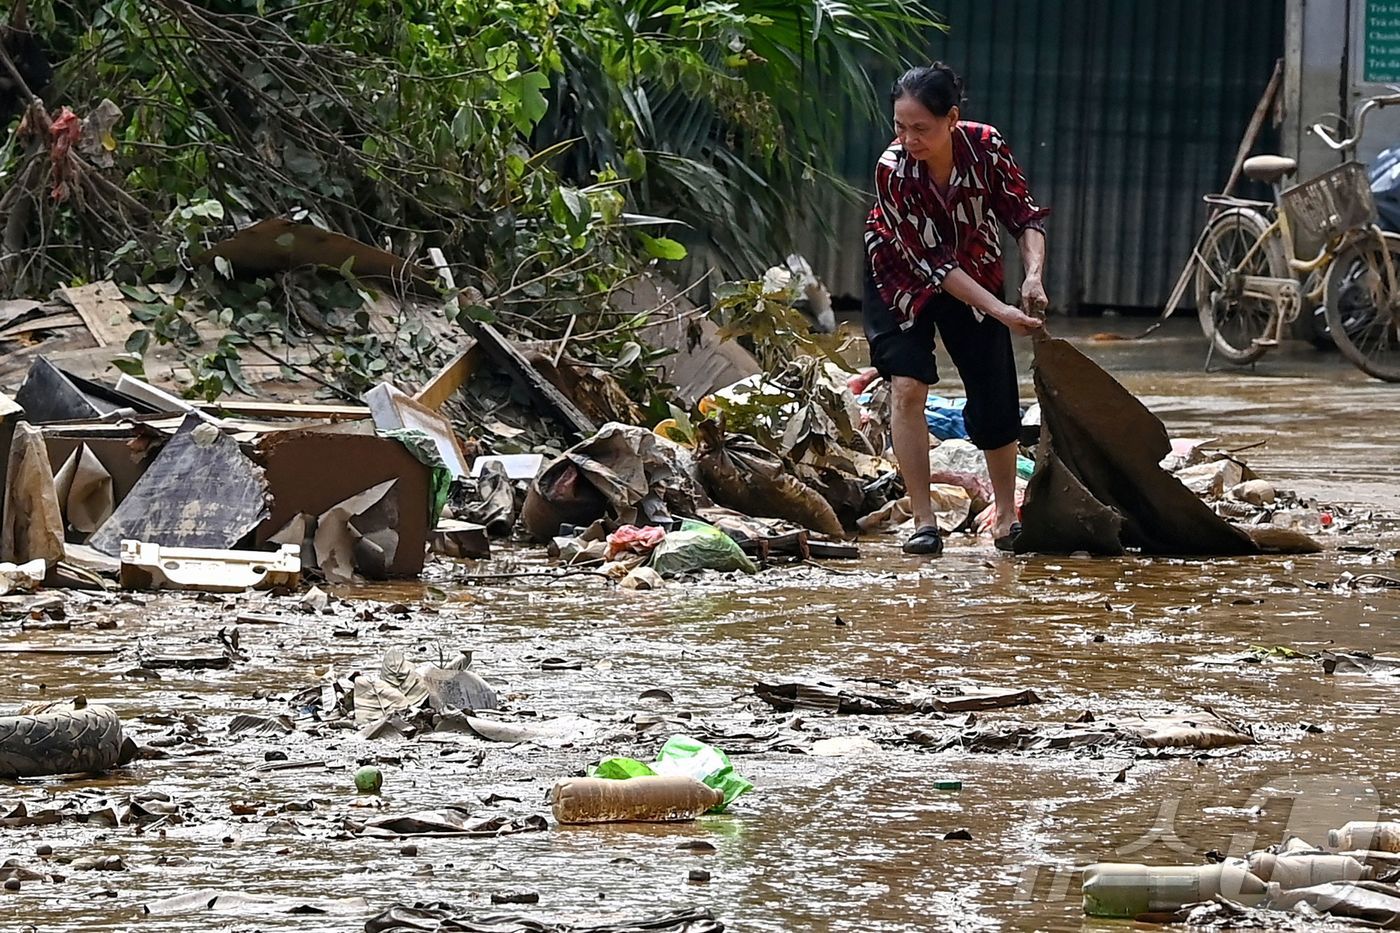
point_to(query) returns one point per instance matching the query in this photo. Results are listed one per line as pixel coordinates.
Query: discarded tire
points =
(61, 741)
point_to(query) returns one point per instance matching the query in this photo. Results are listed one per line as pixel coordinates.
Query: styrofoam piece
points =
(518, 466)
(151, 566)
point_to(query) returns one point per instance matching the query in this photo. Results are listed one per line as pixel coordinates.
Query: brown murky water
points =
(850, 844)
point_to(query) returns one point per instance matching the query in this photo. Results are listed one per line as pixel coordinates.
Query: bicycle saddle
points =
(1269, 168)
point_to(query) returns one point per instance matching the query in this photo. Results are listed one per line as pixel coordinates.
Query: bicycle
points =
(1257, 262)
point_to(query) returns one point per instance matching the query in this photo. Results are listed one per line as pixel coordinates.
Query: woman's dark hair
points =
(938, 87)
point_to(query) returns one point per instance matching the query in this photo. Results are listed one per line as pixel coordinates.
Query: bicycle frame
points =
(1283, 294)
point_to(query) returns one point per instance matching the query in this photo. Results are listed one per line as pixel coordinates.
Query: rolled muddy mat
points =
(1098, 486)
(61, 740)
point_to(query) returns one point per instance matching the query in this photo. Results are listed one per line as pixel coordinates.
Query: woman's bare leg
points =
(909, 426)
(1001, 464)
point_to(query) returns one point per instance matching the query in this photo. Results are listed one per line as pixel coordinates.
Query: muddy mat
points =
(1097, 485)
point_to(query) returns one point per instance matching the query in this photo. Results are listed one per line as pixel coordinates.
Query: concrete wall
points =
(1324, 77)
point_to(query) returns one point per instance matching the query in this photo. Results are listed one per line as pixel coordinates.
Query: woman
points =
(934, 270)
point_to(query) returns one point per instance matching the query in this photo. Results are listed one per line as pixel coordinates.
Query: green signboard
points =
(1382, 42)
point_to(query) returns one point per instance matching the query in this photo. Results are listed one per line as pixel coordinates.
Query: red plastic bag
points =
(631, 539)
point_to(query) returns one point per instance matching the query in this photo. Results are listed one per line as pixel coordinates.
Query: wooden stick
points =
(1251, 135)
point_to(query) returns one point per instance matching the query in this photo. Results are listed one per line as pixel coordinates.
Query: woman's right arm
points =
(965, 288)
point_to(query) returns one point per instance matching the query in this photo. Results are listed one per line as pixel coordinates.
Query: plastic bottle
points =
(1301, 871)
(1116, 889)
(644, 799)
(1365, 835)
(1307, 521)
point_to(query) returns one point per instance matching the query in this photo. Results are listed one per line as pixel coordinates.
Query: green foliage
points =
(725, 113)
(525, 140)
(762, 311)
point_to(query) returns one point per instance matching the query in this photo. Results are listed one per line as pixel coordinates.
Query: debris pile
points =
(128, 479)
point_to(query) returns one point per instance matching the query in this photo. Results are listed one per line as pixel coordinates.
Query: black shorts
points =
(981, 350)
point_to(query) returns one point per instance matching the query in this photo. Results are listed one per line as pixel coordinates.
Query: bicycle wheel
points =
(1362, 312)
(1233, 321)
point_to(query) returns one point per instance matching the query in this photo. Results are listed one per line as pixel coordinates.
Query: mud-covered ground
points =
(851, 842)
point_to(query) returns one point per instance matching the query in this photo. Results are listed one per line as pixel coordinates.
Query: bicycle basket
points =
(1323, 208)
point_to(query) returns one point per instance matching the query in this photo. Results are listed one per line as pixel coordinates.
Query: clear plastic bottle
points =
(1308, 521)
(646, 799)
(1122, 890)
(1302, 871)
(1366, 835)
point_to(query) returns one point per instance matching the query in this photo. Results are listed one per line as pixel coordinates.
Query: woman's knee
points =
(907, 393)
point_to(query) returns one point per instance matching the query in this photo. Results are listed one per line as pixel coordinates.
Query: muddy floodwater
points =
(849, 843)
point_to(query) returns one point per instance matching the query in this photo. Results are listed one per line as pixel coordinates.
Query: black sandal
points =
(1007, 542)
(926, 540)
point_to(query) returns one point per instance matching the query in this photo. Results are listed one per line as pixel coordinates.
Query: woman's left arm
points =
(1024, 218)
(1033, 297)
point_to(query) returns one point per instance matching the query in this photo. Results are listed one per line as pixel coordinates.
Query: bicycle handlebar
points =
(1358, 120)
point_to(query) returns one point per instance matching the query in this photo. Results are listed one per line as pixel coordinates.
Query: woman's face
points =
(920, 131)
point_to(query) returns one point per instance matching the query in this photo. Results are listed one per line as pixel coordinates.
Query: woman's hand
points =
(1017, 320)
(1033, 297)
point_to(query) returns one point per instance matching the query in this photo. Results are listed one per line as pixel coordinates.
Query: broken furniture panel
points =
(311, 471)
(1098, 484)
(200, 491)
(395, 410)
(50, 394)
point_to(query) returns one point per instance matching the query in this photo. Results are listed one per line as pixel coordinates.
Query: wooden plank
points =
(13, 309)
(103, 309)
(52, 322)
(447, 381)
(554, 403)
(286, 410)
(1251, 135)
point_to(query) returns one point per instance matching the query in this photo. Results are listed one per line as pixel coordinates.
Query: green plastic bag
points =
(684, 756)
(620, 769)
(424, 450)
(699, 546)
(709, 765)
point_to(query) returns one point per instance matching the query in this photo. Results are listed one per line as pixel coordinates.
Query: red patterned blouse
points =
(915, 234)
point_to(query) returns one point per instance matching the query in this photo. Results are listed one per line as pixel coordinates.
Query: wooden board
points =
(52, 322)
(103, 309)
(448, 380)
(308, 412)
(553, 402)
